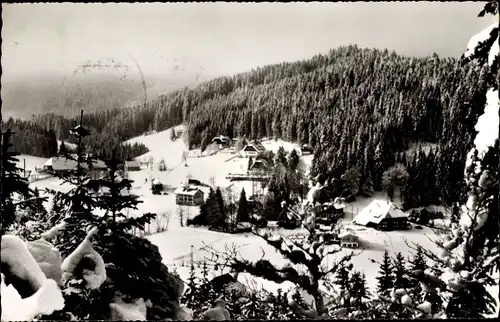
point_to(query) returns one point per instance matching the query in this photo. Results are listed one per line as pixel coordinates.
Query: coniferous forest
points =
(356, 107)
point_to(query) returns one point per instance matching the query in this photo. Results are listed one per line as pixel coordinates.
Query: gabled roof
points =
(377, 211)
(61, 163)
(256, 146)
(258, 162)
(190, 191)
(345, 234)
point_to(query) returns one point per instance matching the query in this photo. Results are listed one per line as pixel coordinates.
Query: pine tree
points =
(221, 216)
(192, 297)
(385, 280)
(418, 262)
(358, 290)
(243, 207)
(173, 136)
(400, 279)
(207, 293)
(367, 188)
(280, 157)
(253, 308)
(62, 149)
(12, 183)
(342, 279)
(293, 160)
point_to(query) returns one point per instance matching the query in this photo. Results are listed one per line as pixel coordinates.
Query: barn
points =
(253, 149)
(132, 165)
(188, 196)
(383, 215)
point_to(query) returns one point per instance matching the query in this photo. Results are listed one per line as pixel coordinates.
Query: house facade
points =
(306, 149)
(188, 196)
(348, 240)
(383, 215)
(132, 165)
(253, 149)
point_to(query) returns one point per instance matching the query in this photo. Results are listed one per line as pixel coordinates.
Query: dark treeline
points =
(356, 107)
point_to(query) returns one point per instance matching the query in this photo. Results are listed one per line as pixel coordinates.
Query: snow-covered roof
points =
(346, 233)
(256, 146)
(378, 210)
(156, 181)
(98, 164)
(133, 163)
(190, 191)
(61, 163)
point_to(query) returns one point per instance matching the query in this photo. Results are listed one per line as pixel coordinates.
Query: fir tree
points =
(191, 297)
(367, 188)
(293, 160)
(358, 290)
(418, 262)
(243, 207)
(342, 279)
(400, 273)
(173, 136)
(12, 183)
(385, 280)
(254, 309)
(207, 292)
(280, 157)
(62, 149)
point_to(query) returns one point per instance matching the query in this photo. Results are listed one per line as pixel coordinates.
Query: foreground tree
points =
(93, 233)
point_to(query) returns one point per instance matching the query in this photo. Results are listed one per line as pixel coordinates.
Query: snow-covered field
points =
(175, 243)
(31, 161)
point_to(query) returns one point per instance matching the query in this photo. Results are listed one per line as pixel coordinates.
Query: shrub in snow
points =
(122, 311)
(48, 258)
(26, 292)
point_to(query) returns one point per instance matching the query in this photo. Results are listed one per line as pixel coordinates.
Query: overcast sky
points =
(224, 38)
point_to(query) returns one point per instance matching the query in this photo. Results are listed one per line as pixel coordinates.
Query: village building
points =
(59, 165)
(132, 165)
(63, 165)
(383, 215)
(258, 166)
(188, 196)
(222, 141)
(348, 239)
(306, 149)
(179, 132)
(156, 186)
(253, 149)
